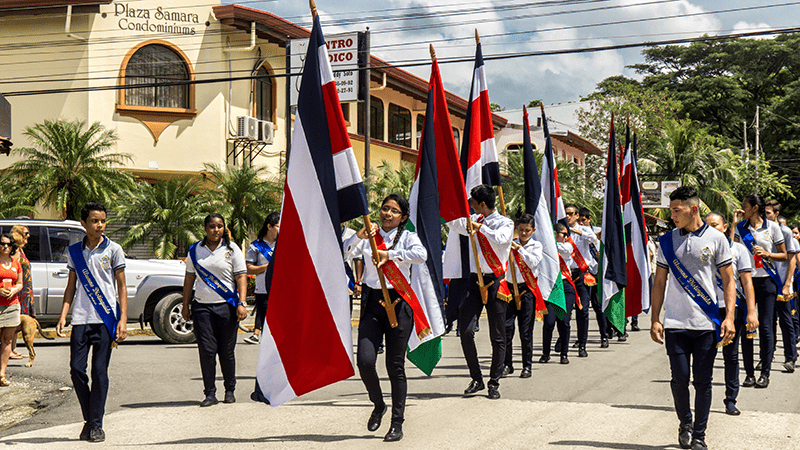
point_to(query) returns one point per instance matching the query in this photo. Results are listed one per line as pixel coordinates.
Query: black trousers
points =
(602, 321)
(470, 313)
(524, 316)
(695, 349)
(372, 327)
(456, 293)
(730, 355)
(261, 310)
(551, 321)
(783, 315)
(581, 314)
(92, 400)
(215, 326)
(766, 292)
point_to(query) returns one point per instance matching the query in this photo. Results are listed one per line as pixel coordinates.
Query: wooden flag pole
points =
(313, 7)
(517, 298)
(386, 302)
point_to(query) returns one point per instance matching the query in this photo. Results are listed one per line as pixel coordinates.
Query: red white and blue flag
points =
(637, 291)
(550, 187)
(479, 163)
(306, 343)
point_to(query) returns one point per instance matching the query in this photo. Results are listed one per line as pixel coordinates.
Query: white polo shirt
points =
(256, 258)
(225, 263)
(103, 261)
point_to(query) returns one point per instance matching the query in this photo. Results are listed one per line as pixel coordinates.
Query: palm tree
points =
(692, 156)
(69, 166)
(167, 213)
(244, 196)
(386, 180)
(15, 200)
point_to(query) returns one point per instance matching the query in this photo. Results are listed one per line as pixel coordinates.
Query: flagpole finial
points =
(433, 53)
(541, 104)
(477, 37)
(313, 7)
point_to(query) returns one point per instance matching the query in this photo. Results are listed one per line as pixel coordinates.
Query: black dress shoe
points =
(474, 386)
(544, 359)
(699, 444)
(763, 382)
(507, 370)
(526, 373)
(564, 359)
(635, 327)
(731, 409)
(603, 343)
(789, 366)
(97, 435)
(85, 432)
(395, 433)
(374, 421)
(229, 397)
(749, 381)
(576, 344)
(209, 400)
(557, 348)
(494, 394)
(685, 435)
(622, 337)
(582, 353)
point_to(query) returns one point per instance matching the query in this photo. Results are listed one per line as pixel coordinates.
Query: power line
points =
(412, 63)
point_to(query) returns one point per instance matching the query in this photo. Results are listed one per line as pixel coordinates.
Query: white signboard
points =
(343, 56)
(655, 194)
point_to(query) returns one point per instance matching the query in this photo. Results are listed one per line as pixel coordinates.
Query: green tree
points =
(244, 196)
(168, 214)
(494, 107)
(70, 164)
(15, 200)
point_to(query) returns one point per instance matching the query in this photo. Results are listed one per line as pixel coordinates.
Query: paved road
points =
(617, 398)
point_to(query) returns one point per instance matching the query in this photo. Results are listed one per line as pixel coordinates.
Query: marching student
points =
(493, 234)
(99, 316)
(582, 265)
(745, 305)
(258, 257)
(764, 240)
(602, 322)
(398, 250)
(550, 319)
(216, 270)
(692, 254)
(783, 307)
(527, 254)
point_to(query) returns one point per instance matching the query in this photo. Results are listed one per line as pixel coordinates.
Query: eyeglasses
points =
(5, 244)
(394, 211)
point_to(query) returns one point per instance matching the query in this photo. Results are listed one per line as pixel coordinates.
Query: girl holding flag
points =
(218, 304)
(398, 250)
(764, 240)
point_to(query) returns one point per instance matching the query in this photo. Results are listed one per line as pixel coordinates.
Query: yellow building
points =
(191, 69)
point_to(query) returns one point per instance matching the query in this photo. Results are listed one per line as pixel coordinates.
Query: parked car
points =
(155, 286)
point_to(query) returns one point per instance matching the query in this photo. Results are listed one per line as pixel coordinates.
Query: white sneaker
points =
(252, 339)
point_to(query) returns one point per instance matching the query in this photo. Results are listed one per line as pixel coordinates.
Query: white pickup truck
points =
(154, 285)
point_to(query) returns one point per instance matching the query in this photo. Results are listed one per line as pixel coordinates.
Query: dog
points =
(29, 326)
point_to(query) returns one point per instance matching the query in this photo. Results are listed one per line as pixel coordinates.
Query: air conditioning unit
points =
(247, 127)
(266, 131)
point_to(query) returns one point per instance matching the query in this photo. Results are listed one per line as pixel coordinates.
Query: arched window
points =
(264, 94)
(156, 64)
(399, 125)
(148, 74)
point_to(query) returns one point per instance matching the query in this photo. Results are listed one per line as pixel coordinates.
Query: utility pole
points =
(758, 144)
(744, 129)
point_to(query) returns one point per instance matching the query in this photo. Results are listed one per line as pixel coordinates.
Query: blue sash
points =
(93, 291)
(216, 285)
(351, 281)
(593, 251)
(749, 242)
(265, 249)
(689, 284)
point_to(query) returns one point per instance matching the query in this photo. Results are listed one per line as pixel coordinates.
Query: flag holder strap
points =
(484, 288)
(517, 298)
(386, 302)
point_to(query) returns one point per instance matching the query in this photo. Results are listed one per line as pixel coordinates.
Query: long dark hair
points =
(272, 219)
(225, 239)
(405, 210)
(13, 241)
(755, 199)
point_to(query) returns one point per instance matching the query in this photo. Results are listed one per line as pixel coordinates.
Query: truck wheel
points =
(168, 324)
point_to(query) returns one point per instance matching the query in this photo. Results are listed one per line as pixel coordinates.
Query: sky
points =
(513, 26)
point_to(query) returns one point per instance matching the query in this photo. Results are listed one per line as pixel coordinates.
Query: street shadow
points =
(438, 395)
(175, 404)
(646, 407)
(36, 440)
(315, 438)
(612, 445)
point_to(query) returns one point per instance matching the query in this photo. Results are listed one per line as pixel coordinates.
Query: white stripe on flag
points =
(325, 72)
(549, 268)
(270, 372)
(473, 177)
(346, 168)
(480, 86)
(488, 152)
